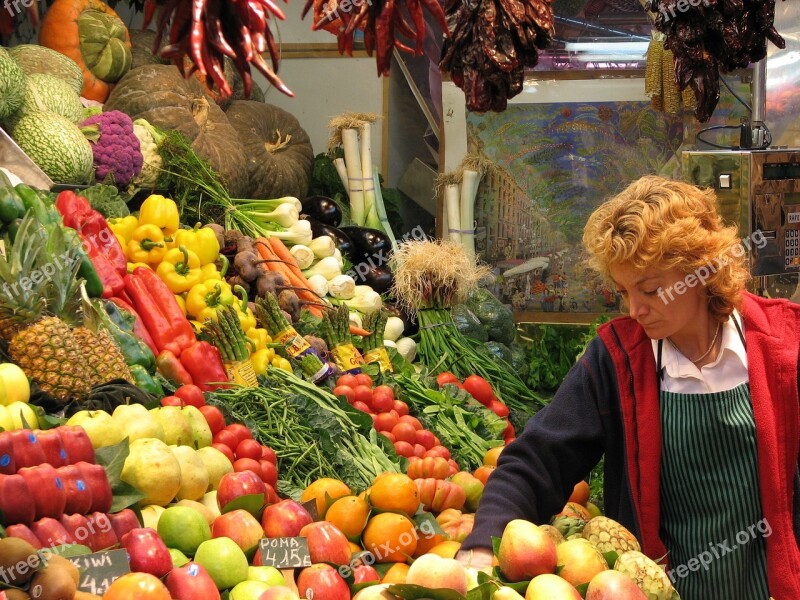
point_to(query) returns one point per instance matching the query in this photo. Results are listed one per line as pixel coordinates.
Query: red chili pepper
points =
(204, 363)
(171, 368)
(139, 328)
(95, 229)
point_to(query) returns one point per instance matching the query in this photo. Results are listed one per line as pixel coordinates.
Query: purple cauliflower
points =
(117, 154)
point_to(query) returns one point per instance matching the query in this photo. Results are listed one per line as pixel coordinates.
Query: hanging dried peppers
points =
(491, 42)
(206, 31)
(713, 36)
(384, 22)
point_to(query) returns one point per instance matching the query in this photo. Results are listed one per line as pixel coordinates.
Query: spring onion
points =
(328, 267)
(364, 300)
(407, 348)
(323, 246)
(394, 328)
(342, 287)
(303, 255)
(319, 285)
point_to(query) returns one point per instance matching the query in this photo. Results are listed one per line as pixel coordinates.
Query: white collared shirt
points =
(729, 369)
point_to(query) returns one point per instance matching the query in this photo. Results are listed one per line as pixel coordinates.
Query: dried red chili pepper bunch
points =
(491, 43)
(206, 31)
(714, 36)
(383, 21)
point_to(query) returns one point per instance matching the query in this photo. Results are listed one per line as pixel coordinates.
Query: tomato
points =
(389, 436)
(363, 393)
(404, 449)
(227, 437)
(509, 430)
(419, 450)
(240, 431)
(381, 401)
(214, 418)
(248, 448)
(405, 432)
(191, 395)
(362, 407)
(226, 450)
(446, 377)
(269, 472)
(385, 421)
(480, 389)
(498, 408)
(454, 468)
(248, 464)
(400, 407)
(440, 451)
(137, 586)
(268, 453)
(413, 421)
(346, 391)
(385, 389)
(172, 401)
(364, 379)
(347, 380)
(424, 438)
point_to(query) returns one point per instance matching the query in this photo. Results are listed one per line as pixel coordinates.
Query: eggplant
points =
(379, 278)
(369, 242)
(323, 209)
(343, 242)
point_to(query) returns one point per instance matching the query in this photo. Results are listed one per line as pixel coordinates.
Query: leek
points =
(355, 180)
(381, 209)
(469, 189)
(454, 221)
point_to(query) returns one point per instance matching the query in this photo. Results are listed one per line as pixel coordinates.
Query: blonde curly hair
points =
(665, 224)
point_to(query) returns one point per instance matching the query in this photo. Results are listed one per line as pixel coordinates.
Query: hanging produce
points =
(711, 38)
(491, 43)
(208, 31)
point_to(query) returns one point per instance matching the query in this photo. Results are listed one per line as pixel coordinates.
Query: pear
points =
(135, 422)
(99, 426)
(153, 469)
(201, 432)
(177, 430)
(217, 465)
(194, 476)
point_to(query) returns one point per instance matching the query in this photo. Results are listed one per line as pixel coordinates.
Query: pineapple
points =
(609, 536)
(648, 575)
(104, 361)
(38, 302)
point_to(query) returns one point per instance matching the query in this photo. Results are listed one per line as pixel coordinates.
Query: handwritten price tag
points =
(285, 552)
(100, 570)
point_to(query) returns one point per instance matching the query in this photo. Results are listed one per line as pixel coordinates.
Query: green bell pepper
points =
(120, 327)
(146, 382)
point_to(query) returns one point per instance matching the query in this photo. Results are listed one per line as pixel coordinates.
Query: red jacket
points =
(608, 405)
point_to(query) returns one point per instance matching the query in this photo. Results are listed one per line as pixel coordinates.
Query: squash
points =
(278, 150)
(142, 48)
(92, 34)
(33, 58)
(161, 96)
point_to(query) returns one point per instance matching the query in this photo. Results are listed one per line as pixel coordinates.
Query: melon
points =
(56, 145)
(12, 85)
(48, 93)
(33, 58)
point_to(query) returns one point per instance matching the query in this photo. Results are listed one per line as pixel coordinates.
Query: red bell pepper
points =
(204, 363)
(159, 310)
(139, 328)
(171, 369)
(95, 229)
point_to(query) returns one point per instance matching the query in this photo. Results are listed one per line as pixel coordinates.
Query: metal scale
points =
(759, 191)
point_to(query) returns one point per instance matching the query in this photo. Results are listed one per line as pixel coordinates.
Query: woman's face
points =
(664, 303)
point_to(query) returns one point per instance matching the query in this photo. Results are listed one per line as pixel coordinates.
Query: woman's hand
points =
(477, 558)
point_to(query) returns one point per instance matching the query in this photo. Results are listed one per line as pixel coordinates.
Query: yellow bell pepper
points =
(281, 363)
(124, 227)
(181, 303)
(206, 298)
(210, 270)
(161, 212)
(180, 270)
(123, 243)
(147, 245)
(200, 240)
(260, 361)
(197, 326)
(259, 336)
(134, 265)
(246, 317)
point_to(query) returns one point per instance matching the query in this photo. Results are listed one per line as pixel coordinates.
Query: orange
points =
(355, 548)
(446, 549)
(137, 586)
(396, 573)
(491, 456)
(390, 537)
(426, 542)
(580, 493)
(394, 491)
(317, 490)
(349, 514)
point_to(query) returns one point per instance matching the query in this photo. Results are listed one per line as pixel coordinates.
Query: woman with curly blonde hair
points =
(692, 398)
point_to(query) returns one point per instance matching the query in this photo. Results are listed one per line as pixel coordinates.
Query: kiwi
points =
(18, 561)
(16, 595)
(64, 563)
(56, 581)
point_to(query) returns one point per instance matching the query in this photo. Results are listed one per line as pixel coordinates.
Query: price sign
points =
(285, 552)
(100, 569)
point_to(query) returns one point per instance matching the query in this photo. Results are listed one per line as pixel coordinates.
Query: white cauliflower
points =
(151, 166)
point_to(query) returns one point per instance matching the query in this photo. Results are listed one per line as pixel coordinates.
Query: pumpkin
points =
(92, 34)
(278, 150)
(142, 48)
(161, 96)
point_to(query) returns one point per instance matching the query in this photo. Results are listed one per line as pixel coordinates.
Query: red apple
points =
(76, 444)
(242, 527)
(103, 536)
(96, 480)
(46, 490)
(613, 585)
(27, 451)
(78, 527)
(51, 533)
(214, 418)
(147, 551)
(7, 464)
(525, 551)
(322, 581)
(278, 592)
(78, 494)
(285, 519)
(123, 521)
(326, 543)
(15, 500)
(23, 532)
(235, 485)
(191, 395)
(190, 582)
(363, 573)
(53, 448)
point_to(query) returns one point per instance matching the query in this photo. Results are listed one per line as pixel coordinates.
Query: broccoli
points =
(495, 316)
(106, 200)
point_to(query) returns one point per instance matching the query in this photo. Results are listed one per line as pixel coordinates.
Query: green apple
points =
(135, 422)
(210, 502)
(150, 515)
(6, 422)
(269, 575)
(23, 415)
(201, 432)
(152, 468)
(201, 508)
(248, 590)
(99, 426)
(178, 558)
(15, 383)
(217, 465)
(224, 561)
(177, 430)
(194, 476)
(183, 528)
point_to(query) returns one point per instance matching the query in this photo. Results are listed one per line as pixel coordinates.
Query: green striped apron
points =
(711, 518)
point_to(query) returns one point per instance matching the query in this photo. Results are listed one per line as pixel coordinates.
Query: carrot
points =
(283, 265)
(356, 330)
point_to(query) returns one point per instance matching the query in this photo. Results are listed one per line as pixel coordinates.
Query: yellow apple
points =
(6, 422)
(150, 515)
(20, 411)
(17, 387)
